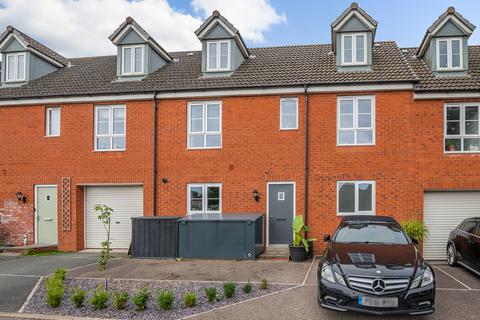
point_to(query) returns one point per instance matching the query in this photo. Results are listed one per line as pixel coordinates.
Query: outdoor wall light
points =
(165, 180)
(256, 195)
(21, 197)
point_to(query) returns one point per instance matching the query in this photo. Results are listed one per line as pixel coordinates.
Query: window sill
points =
(462, 152)
(355, 214)
(204, 148)
(356, 145)
(113, 150)
(288, 129)
(57, 136)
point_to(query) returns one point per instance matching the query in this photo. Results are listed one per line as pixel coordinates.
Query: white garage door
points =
(126, 201)
(443, 211)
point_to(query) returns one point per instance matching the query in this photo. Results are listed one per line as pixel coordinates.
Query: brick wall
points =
(16, 222)
(406, 160)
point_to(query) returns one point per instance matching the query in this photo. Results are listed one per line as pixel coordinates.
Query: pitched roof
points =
(31, 43)
(449, 13)
(429, 82)
(352, 10)
(214, 19)
(130, 23)
(270, 67)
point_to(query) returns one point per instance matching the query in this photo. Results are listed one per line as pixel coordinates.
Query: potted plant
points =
(415, 229)
(300, 247)
(452, 147)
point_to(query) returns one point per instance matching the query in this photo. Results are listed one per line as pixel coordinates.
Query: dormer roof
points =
(450, 15)
(131, 24)
(353, 11)
(32, 45)
(215, 19)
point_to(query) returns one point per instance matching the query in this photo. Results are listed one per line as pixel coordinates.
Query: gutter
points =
(305, 205)
(154, 153)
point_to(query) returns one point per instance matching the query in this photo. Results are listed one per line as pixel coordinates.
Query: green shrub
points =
(55, 291)
(99, 298)
(247, 288)
(140, 299)
(120, 299)
(165, 300)
(229, 289)
(264, 284)
(60, 274)
(211, 294)
(415, 229)
(190, 299)
(77, 296)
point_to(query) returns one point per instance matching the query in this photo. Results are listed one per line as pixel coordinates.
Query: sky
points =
(77, 28)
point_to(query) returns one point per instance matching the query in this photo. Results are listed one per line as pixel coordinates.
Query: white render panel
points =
(442, 212)
(126, 201)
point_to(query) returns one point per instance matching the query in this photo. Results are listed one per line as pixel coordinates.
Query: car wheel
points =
(451, 255)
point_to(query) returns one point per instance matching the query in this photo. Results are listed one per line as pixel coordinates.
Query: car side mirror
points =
(326, 238)
(414, 240)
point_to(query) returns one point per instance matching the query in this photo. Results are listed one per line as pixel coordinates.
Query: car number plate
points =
(388, 302)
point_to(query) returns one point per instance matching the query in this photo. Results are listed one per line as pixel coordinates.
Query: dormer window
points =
(133, 60)
(218, 55)
(354, 48)
(449, 54)
(15, 67)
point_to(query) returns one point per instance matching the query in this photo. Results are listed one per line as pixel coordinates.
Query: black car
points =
(463, 245)
(372, 266)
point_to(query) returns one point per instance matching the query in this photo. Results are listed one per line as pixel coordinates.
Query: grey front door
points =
(47, 215)
(280, 213)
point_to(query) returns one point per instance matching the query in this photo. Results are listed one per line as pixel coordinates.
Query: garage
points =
(126, 201)
(443, 211)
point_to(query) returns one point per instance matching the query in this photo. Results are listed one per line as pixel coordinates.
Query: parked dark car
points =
(372, 266)
(463, 245)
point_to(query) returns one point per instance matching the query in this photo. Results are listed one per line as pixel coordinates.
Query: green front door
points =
(47, 215)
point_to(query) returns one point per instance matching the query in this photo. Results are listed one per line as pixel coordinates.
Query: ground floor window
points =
(204, 198)
(355, 197)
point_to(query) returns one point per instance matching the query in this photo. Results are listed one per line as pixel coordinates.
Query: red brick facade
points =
(406, 160)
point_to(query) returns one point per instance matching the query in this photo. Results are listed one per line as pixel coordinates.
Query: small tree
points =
(105, 213)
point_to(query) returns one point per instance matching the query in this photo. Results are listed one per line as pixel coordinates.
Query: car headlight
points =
(327, 273)
(425, 279)
(340, 279)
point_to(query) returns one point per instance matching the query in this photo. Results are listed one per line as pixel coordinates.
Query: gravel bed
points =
(38, 305)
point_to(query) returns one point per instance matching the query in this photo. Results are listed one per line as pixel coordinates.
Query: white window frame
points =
(462, 134)
(355, 127)
(204, 187)
(229, 58)
(296, 113)
(132, 59)
(15, 67)
(48, 124)
(354, 49)
(110, 134)
(449, 54)
(205, 133)
(357, 211)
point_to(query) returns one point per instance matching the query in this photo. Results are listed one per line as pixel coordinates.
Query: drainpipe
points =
(154, 153)
(305, 209)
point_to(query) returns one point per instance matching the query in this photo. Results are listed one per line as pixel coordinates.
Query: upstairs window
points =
(205, 125)
(288, 114)
(356, 120)
(133, 58)
(52, 122)
(110, 127)
(218, 55)
(449, 54)
(204, 198)
(15, 67)
(354, 48)
(355, 197)
(462, 128)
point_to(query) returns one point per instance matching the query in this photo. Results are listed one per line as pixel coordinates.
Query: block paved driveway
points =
(458, 290)
(19, 275)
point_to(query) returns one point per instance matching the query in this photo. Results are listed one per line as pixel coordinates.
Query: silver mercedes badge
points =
(378, 285)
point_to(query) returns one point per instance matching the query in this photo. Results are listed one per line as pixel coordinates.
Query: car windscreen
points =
(371, 233)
